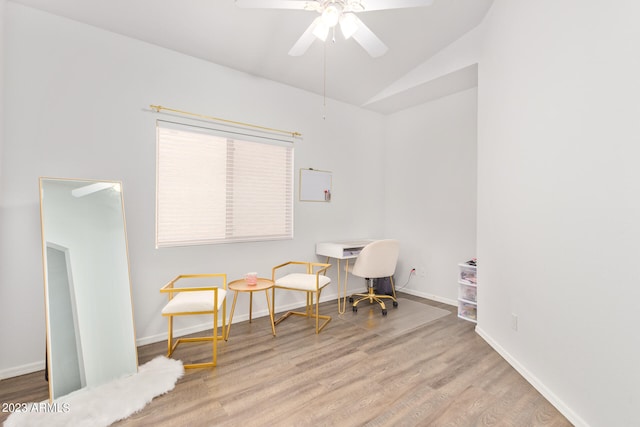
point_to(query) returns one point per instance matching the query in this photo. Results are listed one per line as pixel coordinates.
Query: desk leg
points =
(346, 282)
(233, 308)
(342, 306)
(273, 326)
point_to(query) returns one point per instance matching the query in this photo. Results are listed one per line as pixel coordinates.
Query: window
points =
(217, 186)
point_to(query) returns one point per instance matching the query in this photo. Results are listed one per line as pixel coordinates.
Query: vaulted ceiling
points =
(257, 41)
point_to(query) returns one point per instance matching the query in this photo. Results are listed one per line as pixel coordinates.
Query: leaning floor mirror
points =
(89, 313)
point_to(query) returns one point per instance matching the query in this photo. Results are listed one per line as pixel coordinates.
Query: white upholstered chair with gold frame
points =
(311, 281)
(206, 296)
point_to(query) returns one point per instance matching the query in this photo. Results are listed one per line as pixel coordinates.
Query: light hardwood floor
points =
(441, 374)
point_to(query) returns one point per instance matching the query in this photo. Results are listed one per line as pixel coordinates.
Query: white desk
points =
(342, 250)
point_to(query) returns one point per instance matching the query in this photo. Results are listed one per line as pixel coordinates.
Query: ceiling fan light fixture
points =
(331, 14)
(321, 30)
(348, 25)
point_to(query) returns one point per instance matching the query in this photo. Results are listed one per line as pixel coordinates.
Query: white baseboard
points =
(565, 410)
(429, 296)
(22, 370)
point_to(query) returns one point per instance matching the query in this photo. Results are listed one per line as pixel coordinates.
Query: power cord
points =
(411, 273)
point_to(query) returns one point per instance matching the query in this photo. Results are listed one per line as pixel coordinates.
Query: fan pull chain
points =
(324, 83)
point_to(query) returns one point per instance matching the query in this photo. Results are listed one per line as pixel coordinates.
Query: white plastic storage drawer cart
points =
(467, 292)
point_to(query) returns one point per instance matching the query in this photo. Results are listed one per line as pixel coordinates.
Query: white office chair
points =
(377, 260)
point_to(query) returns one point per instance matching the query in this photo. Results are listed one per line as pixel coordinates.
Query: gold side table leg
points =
(250, 305)
(233, 308)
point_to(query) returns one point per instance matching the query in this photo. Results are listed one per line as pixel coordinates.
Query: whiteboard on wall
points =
(315, 185)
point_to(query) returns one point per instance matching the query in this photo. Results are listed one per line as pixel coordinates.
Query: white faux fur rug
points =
(106, 404)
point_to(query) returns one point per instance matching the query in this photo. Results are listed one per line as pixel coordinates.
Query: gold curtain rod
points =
(159, 108)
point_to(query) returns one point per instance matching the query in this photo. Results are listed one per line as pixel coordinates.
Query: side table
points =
(242, 286)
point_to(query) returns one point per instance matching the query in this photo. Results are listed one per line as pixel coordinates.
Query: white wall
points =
(558, 205)
(431, 192)
(77, 106)
(2, 42)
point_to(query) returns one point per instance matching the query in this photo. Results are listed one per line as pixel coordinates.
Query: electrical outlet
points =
(514, 321)
(422, 272)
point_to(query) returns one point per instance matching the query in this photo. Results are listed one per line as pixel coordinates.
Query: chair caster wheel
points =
(395, 303)
(384, 312)
(355, 309)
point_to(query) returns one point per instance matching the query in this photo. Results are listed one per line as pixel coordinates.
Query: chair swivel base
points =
(372, 297)
(319, 326)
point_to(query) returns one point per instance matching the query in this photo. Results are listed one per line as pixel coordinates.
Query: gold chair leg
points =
(309, 312)
(170, 337)
(214, 357)
(372, 297)
(327, 319)
(233, 309)
(269, 308)
(214, 339)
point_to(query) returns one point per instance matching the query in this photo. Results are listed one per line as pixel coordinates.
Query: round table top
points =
(241, 285)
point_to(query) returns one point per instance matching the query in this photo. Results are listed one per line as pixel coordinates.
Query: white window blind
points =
(216, 187)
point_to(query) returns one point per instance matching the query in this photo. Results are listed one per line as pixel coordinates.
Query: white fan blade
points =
(368, 5)
(369, 41)
(278, 4)
(305, 39)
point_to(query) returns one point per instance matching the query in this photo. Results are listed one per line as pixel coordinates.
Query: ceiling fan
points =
(334, 12)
